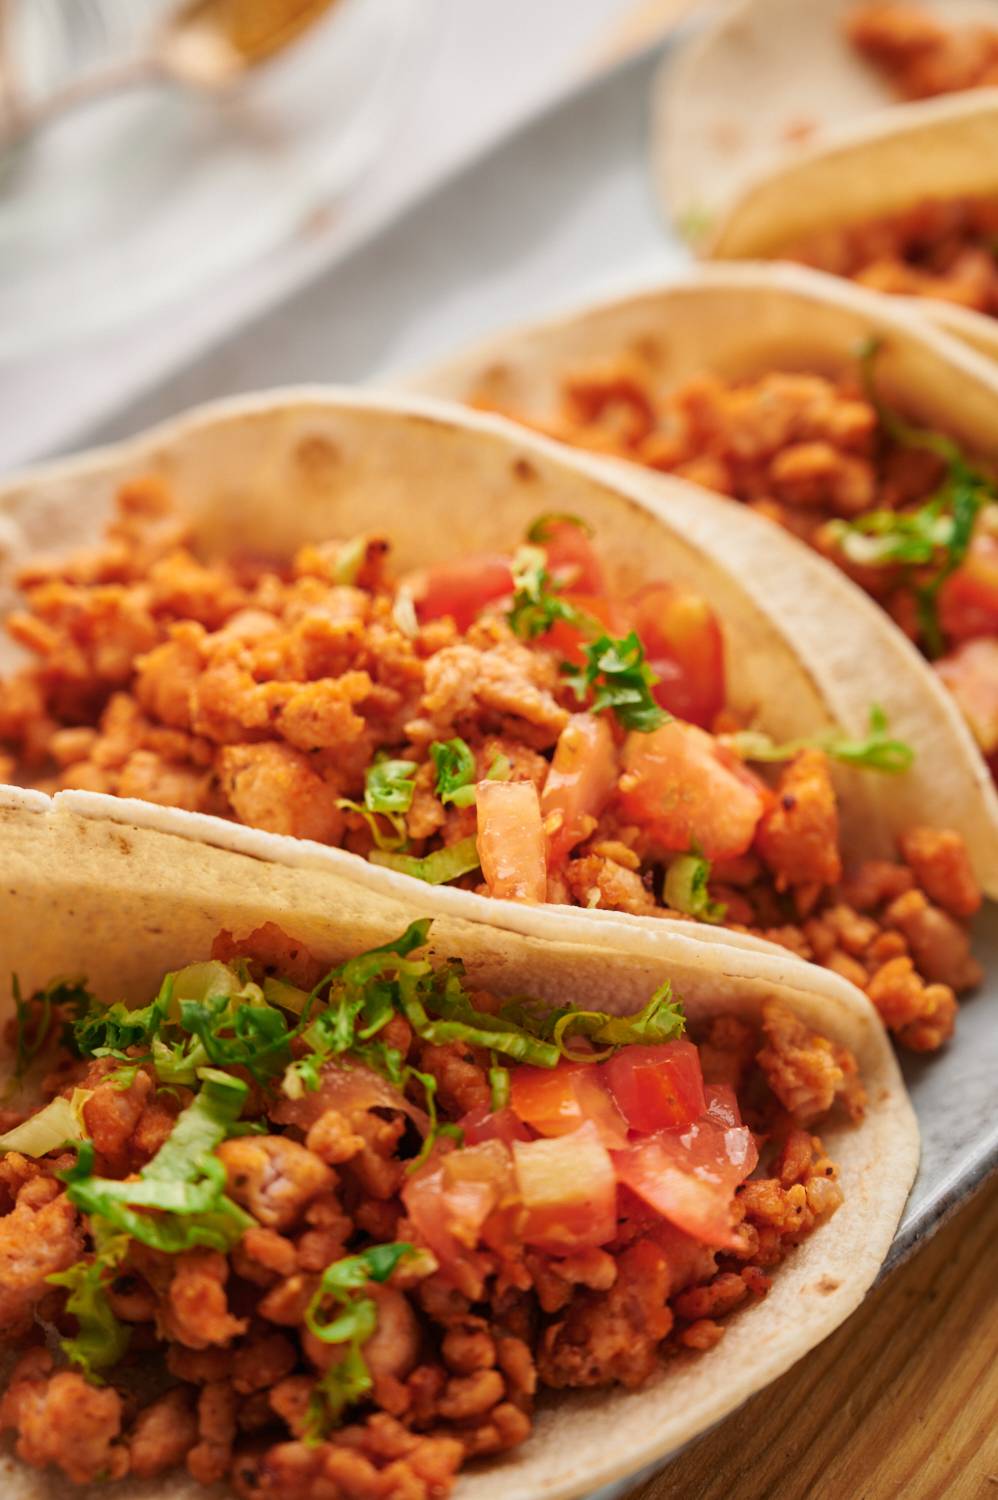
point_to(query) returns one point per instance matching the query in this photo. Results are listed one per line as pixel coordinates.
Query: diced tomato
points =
(579, 784)
(684, 645)
(568, 641)
(556, 1101)
(687, 792)
(722, 1104)
(568, 1190)
(971, 674)
(450, 1201)
(690, 1176)
(968, 600)
(484, 1124)
(572, 559)
(511, 844)
(461, 587)
(657, 1087)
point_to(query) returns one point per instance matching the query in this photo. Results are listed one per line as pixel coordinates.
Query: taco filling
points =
(941, 248)
(920, 56)
(504, 723)
(335, 1234)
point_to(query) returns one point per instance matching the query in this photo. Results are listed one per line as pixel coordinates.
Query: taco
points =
(906, 205)
(816, 72)
(427, 649)
(243, 1241)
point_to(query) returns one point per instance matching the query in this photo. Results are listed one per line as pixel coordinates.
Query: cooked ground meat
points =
(919, 54)
(466, 1332)
(272, 700)
(939, 248)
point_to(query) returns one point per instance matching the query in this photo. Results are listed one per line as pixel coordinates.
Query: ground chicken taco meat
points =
(503, 722)
(942, 248)
(920, 55)
(347, 1257)
(909, 517)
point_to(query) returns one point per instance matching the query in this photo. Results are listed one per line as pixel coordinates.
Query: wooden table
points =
(900, 1404)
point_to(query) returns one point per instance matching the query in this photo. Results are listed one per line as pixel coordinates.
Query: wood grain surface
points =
(900, 1404)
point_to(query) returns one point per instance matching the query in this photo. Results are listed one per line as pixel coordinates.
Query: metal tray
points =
(561, 210)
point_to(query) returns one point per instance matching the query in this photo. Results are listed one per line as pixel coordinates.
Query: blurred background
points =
(187, 191)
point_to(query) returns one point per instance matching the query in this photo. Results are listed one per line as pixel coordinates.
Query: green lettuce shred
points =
(686, 889)
(438, 868)
(877, 752)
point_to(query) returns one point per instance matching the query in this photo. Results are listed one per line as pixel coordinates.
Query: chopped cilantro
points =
(537, 605)
(621, 680)
(932, 541)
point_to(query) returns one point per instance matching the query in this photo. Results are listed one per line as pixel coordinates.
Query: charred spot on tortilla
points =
(318, 458)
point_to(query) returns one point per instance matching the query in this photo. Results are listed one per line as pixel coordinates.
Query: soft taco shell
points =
(805, 651)
(943, 148)
(122, 904)
(738, 322)
(761, 82)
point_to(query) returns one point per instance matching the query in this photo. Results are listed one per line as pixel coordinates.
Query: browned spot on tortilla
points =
(727, 135)
(827, 1285)
(318, 458)
(798, 132)
(121, 843)
(524, 471)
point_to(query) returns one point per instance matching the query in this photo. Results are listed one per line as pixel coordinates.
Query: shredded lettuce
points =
(437, 868)
(100, 1340)
(388, 793)
(351, 1320)
(877, 752)
(455, 766)
(661, 1020)
(686, 889)
(184, 1182)
(59, 1124)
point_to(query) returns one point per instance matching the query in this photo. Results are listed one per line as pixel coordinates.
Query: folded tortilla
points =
(938, 149)
(805, 650)
(761, 83)
(83, 893)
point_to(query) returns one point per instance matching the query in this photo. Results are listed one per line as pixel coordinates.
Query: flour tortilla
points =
(738, 322)
(762, 82)
(122, 904)
(805, 650)
(944, 148)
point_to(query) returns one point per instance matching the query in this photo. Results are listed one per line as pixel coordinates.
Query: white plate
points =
(160, 191)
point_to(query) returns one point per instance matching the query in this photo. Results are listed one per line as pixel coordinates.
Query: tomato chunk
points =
(511, 840)
(450, 1201)
(968, 600)
(684, 645)
(556, 1101)
(567, 640)
(568, 1190)
(722, 1104)
(690, 1176)
(682, 787)
(657, 1087)
(579, 784)
(461, 587)
(971, 674)
(572, 560)
(485, 1124)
